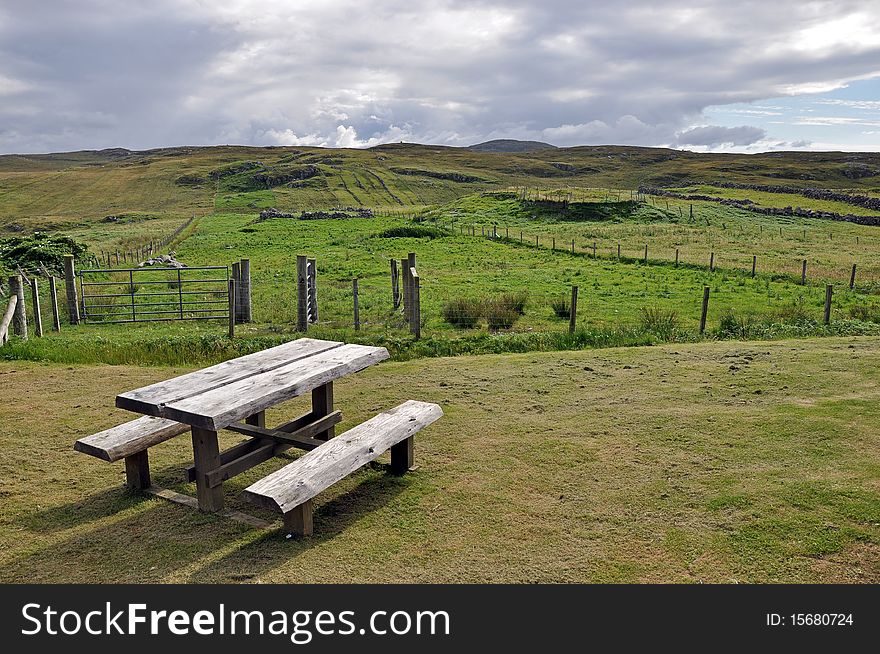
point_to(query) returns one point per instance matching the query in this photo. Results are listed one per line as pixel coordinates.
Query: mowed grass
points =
(715, 462)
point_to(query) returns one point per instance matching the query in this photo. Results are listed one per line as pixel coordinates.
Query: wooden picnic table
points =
(222, 396)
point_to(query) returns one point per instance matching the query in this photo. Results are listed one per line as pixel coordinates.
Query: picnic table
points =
(235, 395)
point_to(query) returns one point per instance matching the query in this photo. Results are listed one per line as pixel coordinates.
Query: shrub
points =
(659, 321)
(500, 315)
(865, 312)
(561, 307)
(794, 314)
(735, 326)
(412, 231)
(515, 301)
(464, 313)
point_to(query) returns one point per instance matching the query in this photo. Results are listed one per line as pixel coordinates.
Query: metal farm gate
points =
(115, 295)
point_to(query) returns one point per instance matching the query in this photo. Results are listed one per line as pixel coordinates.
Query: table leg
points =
(206, 455)
(257, 420)
(322, 405)
(137, 470)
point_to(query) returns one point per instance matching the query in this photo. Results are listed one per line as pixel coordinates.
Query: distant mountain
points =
(510, 145)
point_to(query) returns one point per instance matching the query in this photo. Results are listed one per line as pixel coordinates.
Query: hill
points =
(510, 145)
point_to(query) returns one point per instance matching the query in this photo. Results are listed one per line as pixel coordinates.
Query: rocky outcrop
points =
(165, 260)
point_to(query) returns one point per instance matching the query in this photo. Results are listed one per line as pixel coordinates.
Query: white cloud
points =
(349, 73)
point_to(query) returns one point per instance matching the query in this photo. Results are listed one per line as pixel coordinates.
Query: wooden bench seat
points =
(130, 441)
(290, 490)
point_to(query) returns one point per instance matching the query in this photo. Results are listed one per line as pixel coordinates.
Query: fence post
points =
(852, 277)
(754, 263)
(572, 316)
(711, 262)
(705, 311)
(416, 321)
(594, 249)
(232, 304)
(829, 291)
(312, 287)
(8, 313)
(38, 318)
(70, 288)
(646, 253)
(357, 312)
(245, 287)
(536, 240)
(19, 318)
(804, 273)
(520, 236)
(553, 243)
(406, 303)
(618, 251)
(53, 296)
(302, 294)
(236, 276)
(395, 284)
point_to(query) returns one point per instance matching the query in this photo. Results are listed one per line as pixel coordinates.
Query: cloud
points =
(713, 135)
(97, 73)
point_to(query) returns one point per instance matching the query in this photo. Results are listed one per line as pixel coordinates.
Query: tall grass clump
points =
(659, 321)
(515, 301)
(500, 314)
(561, 307)
(463, 312)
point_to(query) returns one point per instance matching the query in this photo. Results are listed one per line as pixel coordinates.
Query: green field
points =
(711, 462)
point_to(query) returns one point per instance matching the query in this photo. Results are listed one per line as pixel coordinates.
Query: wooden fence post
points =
(594, 249)
(395, 284)
(70, 289)
(416, 321)
(7, 318)
(312, 288)
(302, 294)
(404, 269)
(852, 277)
(553, 243)
(236, 277)
(357, 311)
(705, 310)
(232, 305)
(618, 251)
(245, 287)
(711, 262)
(572, 316)
(19, 317)
(754, 263)
(646, 253)
(53, 296)
(804, 273)
(829, 290)
(38, 318)
(676, 257)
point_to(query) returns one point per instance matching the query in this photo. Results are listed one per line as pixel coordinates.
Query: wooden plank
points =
(38, 317)
(53, 296)
(148, 400)
(322, 405)
(303, 479)
(206, 454)
(303, 437)
(217, 408)
(129, 438)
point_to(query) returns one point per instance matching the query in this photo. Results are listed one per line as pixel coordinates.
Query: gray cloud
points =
(713, 135)
(98, 73)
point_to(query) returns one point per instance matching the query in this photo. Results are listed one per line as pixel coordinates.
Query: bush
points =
(413, 231)
(865, 312)
(561, 307)
(41, 248)
(464, 313)
(658, 321)
(500, 315)
(515, 301)
(734, 326)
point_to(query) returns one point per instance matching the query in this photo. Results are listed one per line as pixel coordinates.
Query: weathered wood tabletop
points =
(218, 397)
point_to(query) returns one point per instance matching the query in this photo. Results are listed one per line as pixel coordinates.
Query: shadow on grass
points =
(154, 541)
(331, 518)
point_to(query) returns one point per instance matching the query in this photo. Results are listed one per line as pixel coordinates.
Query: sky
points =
(710, 75)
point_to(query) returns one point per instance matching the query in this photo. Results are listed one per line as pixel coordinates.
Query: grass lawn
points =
(710, 462)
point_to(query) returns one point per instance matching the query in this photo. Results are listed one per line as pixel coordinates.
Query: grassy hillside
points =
(719, 462)
(62, 190)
